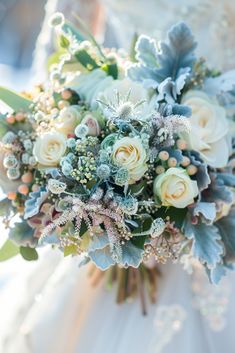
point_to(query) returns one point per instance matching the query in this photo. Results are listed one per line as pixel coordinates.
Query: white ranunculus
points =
(209, 129)
(128, 152)
(67, 120)
(49, 148)
(175, 188)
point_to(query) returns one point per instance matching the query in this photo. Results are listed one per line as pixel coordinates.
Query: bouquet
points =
(124, 160)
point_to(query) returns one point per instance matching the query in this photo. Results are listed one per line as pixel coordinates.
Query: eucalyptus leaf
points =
(29, 254)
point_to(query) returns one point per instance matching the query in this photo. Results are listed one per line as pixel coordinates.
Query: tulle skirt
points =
(52, 306)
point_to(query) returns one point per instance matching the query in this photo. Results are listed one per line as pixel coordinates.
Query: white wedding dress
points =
(51, 306)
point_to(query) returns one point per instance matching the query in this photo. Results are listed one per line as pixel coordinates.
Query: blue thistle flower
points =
(103, 171)
(121, 176)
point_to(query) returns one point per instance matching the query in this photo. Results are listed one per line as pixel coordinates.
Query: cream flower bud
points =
(49, 148)
(68, 119)
(129, 153)
(175, 188)
(57, 19)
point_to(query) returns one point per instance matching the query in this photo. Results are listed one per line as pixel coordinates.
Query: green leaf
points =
(83, 228)
(14, 100)
(69, 29)
(29, 254)
(139, 241)
(8, 250)
(144, 226)
(136, 189)
(176, 215)
(86, 60)
(70, 250)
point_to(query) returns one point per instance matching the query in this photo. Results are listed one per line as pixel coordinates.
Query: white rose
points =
(67, 120)
(175, 188)
(128, 152)
(209, 129)
(49, 148)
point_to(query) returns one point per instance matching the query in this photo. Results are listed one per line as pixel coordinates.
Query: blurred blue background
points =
(20, 23)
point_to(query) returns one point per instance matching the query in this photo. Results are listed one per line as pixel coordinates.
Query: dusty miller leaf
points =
(206, 247)
(227, 230)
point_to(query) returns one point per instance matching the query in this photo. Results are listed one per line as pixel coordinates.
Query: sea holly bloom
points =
(124, 99)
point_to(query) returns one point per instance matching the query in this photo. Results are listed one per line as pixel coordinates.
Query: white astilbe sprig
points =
(93, 213)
